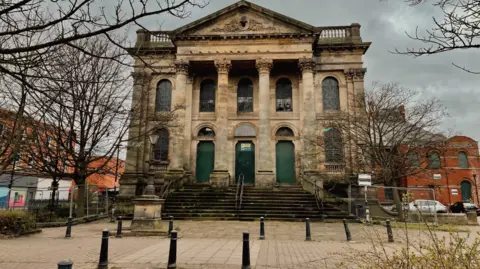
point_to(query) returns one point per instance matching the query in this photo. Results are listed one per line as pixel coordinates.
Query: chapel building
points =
(233, 95)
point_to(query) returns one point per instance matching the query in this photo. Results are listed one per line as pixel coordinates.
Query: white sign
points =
(364, 179)
(437, 176)
(454, 192)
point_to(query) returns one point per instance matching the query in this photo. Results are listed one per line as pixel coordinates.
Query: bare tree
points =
(390, 127)
(459, 29)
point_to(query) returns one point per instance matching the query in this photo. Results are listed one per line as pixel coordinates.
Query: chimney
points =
(401, 109)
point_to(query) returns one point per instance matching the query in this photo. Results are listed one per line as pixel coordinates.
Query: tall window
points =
(283, 95)
(245, 95)
(434, 160)
(163, 101)
(333, 146)
(207, 96)
(160, 151)
(331, 94)
(414, 160)
(462, 160)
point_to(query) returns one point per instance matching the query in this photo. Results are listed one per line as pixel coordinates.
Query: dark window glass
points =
(284, 131)
(206, 132)
(333, 146)
(414, 160)
(462, 160)
(163, 101)
(434, 160)
(283, 95)
(388, 194)
(1, 129)
(245, 95)
(207, 96)
(331, 94)
(160, 150)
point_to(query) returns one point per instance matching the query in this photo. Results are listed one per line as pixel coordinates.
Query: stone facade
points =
(243, 43)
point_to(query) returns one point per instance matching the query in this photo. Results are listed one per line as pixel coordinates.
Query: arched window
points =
(245, 95)
(462, 160)
(331, 94)
(434, 160)
(163, 100)
(333, 146)
(414, 160)
(206, 132)
(160, 150)
(207, 96)
(283, 95)
(284, 131)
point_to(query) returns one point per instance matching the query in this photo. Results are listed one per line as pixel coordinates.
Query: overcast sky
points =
(385, 24)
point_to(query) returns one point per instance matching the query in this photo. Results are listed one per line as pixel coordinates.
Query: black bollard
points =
(68, 234)
(308, 236)
(262, 228)
(389, 232)
(65, 264)
(103, 262)
(170, 225)
(172, 254)
(246, 251)
(347, 231)
(119, 228)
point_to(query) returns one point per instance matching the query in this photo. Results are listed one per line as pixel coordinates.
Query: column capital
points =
(140, 78)
(355, 73)
(223, 66)
(181, 66)
(264, 65)
(306, 64)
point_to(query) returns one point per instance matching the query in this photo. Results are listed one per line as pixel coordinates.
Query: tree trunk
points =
(80, 200)
(54, 192)
(397, 200)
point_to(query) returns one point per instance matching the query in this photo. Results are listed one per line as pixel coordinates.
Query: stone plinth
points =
(265, 180)
(220, 179)
(147, 213)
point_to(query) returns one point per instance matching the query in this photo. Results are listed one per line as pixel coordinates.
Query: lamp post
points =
(112, 219)
(150, 189)
(476, 186)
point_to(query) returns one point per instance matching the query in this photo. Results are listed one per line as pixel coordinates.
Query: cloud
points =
(384, 24)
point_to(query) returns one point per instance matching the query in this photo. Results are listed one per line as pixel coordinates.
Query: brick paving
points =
(201, 244)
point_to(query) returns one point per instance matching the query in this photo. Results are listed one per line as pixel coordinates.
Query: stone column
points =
(177, 133)
(265, 176)
(220, 176)
(310, 161)
(357, 101)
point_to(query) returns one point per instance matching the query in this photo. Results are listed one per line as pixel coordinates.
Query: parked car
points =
(427, 206)
(463, 207)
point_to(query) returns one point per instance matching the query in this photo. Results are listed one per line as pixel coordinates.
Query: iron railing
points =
(239, 195)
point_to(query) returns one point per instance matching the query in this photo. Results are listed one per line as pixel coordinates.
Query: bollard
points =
(246, 251)
(119, 228)
(172, 254)
(17, 226)
(347, 231)
(308, 236)
(170, 225)
(103, 262)
(65, 264)
(389, 232)
(262, 228)
(68, 234)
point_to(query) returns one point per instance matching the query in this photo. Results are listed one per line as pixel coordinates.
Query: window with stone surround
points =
(434, 160)
(331, 94)
(206, 132)
(283, 95)
(163, 100)
(207, 95)
(284, 131)
(414, 159)
(333, 146)
(462, 160)
(160, 150)
(245, 95)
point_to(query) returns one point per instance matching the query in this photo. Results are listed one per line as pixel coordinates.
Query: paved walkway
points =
(204, 244)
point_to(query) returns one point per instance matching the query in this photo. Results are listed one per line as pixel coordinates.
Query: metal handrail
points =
(317, 196)
(239, 194)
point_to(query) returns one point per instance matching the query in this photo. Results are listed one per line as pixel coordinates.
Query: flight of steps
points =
(202, 202)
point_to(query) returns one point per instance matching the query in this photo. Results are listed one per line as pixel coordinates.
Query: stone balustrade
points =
(335, 168)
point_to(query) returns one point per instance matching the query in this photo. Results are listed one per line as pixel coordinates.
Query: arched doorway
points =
(205, 155)
(245, 161)
(466, 188)
(285, 156)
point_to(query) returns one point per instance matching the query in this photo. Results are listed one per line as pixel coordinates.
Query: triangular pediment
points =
(244, 18)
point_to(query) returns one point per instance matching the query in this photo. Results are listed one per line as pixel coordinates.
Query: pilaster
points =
(179, 105)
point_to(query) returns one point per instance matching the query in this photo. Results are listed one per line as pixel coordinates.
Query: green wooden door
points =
(205, 161)
(285, 153)
(245, 161)
(466, 188)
